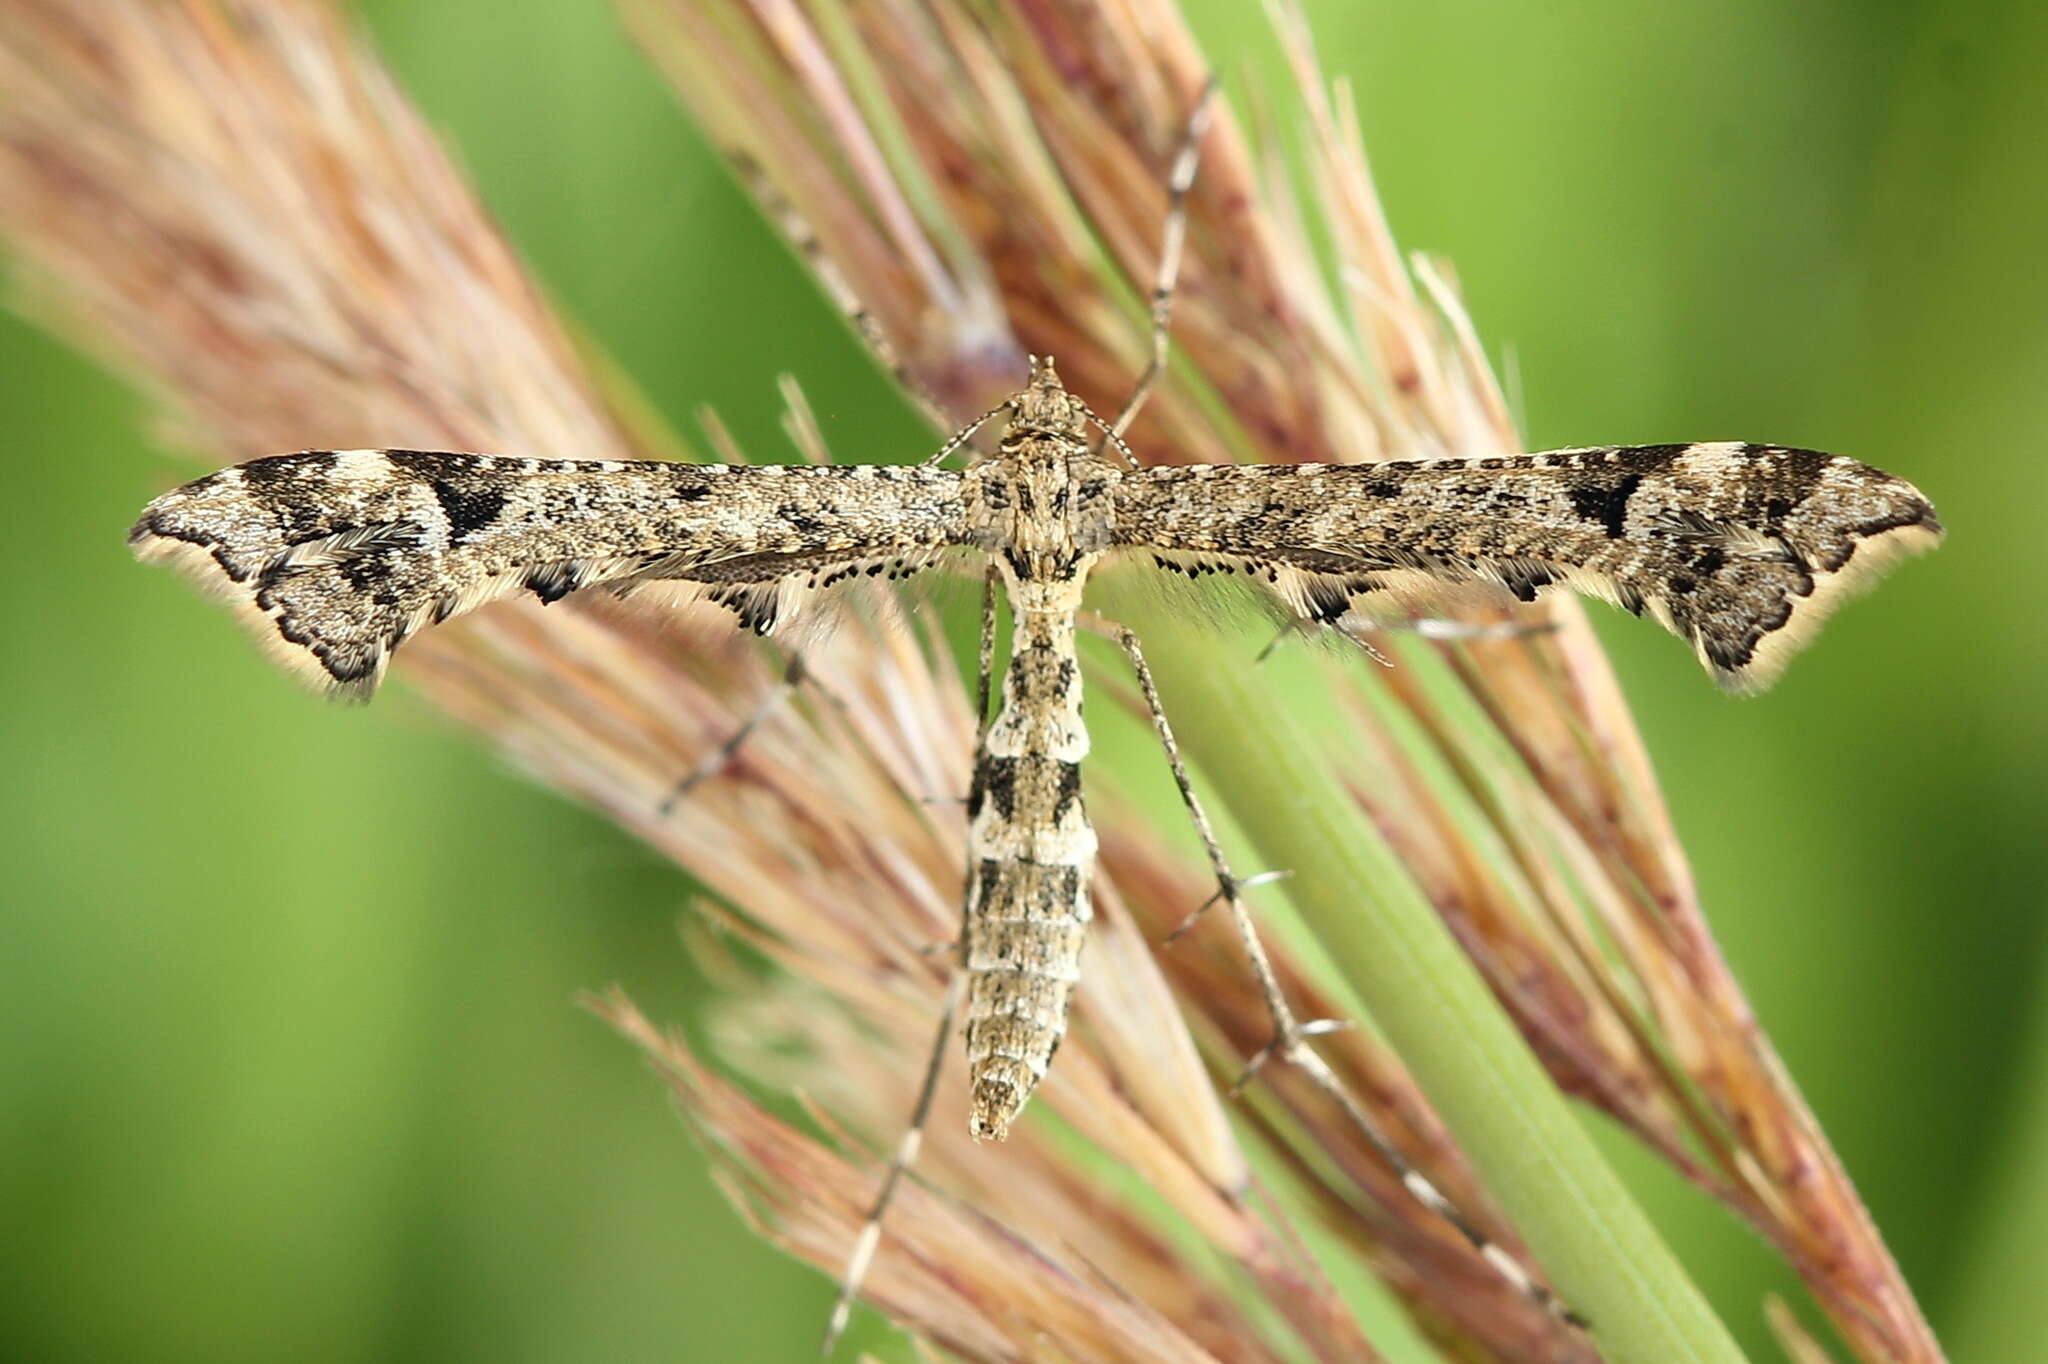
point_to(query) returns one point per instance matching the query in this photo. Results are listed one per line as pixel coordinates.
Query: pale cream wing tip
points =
(1875, 555)
(199, 566)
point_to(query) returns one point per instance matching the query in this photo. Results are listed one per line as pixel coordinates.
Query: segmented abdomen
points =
(1032, 852)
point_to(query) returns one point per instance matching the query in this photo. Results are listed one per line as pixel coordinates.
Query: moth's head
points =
(1045, 408)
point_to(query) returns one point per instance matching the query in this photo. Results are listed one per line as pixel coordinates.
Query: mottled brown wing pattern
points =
(334, 558)
(1740, 550)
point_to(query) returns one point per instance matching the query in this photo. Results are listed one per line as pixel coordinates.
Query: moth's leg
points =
(1302, 627)
(1288, 1031)
(804, 241)
(964, 434)
(1291, 1035)
(984, 686)
(913, 1135)
(794, 674)
(1451, 631)
(899, 1164)
(1180, 179)
(1435, 629)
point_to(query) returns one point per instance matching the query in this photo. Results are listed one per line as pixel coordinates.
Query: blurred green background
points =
(288, 1062)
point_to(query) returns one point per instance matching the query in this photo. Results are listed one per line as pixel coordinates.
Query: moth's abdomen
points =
(1032, 853)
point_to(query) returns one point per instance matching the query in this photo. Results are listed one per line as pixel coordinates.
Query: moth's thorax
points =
(1043, 504)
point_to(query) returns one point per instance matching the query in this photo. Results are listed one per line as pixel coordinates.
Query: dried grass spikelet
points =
(232, 202)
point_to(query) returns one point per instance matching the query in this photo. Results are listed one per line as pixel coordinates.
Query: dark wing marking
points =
(336, 557)
(1740, 550)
